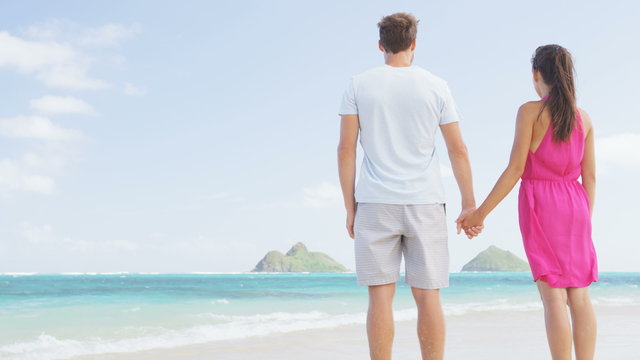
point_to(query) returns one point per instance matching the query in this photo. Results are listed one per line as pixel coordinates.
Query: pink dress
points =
(554, 215)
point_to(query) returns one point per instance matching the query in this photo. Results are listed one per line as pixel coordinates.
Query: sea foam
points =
(224, 327)
(236, 327)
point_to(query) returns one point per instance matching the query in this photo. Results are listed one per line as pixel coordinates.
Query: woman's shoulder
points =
(529, 111)
(586, 119)
(531, 106)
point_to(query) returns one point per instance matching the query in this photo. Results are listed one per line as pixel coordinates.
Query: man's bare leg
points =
(380, 321)
(431, 326)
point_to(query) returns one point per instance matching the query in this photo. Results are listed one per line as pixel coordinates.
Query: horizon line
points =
(17, 273)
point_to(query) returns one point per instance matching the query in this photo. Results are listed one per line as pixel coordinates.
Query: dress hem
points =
(562, 286)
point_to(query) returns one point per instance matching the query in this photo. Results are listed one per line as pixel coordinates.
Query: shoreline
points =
(204, 273)
(482, 335)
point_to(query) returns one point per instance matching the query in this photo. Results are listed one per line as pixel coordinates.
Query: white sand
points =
(486, 335)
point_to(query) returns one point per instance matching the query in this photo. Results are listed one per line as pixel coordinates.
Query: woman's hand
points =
(471, 232)
(472, 221)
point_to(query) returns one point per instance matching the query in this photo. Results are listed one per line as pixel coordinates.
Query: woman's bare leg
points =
(583, 319)
(556, 320)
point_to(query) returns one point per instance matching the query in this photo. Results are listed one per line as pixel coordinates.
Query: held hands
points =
(471, 221)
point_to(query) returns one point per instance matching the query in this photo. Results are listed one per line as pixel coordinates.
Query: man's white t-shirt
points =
(400, 110)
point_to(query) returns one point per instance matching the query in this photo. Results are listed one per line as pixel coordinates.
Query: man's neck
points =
(401, 59)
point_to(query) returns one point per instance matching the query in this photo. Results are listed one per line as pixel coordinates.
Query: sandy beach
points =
(482, 335)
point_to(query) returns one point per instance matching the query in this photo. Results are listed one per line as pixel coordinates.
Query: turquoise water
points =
(56, 316)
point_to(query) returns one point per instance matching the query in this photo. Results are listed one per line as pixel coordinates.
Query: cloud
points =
(621, 149)
(157, 235)
(225, 196)
(205, 243)
(71, 76)
(49, 156)
(61, 54)
(132, 90)
(36, 234)
(109, 35)
(13, 176)
(61, 105)
(270, 205)
(35, 170)
(218, 196)
(125, 245)
(57, 65)
(79, 245)
(44, 234)
(322, 195)
(36, 127)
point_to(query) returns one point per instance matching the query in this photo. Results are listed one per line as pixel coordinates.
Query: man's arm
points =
(459, 157)
(349, 128)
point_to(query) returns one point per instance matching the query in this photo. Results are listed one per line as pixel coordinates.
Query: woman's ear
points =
(536, 75)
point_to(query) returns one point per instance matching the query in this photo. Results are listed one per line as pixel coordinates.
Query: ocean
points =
(56, 316)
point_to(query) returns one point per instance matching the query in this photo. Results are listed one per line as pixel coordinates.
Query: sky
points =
(166, 136)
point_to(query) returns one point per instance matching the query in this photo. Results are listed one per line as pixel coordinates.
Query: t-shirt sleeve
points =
(349, 105)
(449, 112)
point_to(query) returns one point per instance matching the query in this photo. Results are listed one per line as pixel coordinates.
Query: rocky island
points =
(496, 259)
(298, 259)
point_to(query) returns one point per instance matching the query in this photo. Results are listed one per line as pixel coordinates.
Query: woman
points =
(553, 147)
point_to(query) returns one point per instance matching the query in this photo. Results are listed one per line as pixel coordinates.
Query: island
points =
(496, 259)
(298, 259)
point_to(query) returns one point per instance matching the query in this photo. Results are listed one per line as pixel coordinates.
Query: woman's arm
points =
(527, 115)
(589, 162)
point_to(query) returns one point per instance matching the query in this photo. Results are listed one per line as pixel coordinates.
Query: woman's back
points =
(553, 160)
(553, 147)
(554, 208)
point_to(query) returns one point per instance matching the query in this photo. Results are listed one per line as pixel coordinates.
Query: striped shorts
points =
(386, 232)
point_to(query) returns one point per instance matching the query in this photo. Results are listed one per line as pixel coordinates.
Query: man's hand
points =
(351, 215)
(349, 130)
(471, 231)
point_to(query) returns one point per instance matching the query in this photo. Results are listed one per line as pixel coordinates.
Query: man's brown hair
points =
(397, 31)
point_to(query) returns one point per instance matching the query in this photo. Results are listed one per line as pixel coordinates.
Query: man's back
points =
(397, 210)
(399, 110)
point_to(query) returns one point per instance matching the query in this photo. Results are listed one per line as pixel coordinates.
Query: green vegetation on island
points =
(298, 259)
(496, 259)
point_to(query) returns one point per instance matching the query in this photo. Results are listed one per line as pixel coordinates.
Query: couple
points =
(398, 206)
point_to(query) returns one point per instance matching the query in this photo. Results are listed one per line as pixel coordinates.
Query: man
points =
(398, 206)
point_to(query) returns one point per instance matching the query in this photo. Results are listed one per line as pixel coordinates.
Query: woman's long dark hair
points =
(555, 65)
